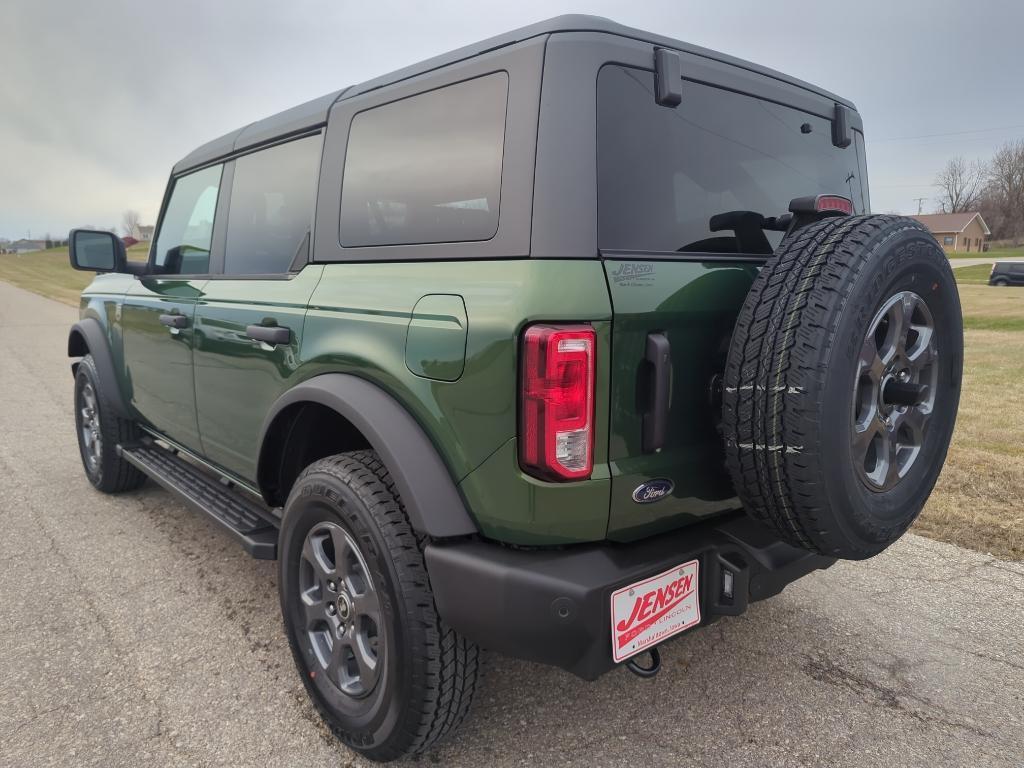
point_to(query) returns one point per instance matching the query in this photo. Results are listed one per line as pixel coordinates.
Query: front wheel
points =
(384, 671)
(100, 430)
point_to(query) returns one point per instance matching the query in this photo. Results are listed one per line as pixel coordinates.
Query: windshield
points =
(664, 173)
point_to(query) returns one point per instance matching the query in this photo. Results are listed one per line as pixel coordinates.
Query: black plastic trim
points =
(668, 77)
(841, 134)
(426, 487)
(95, 340)
(254, 527)
(552, 606)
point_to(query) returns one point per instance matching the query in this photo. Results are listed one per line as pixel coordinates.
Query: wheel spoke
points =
(862, 438)
(342, 552)
(336, 661)
(891, 472)
(313, 552)
(366, 660)
(367, 605)
(870, 360)
(913, 420)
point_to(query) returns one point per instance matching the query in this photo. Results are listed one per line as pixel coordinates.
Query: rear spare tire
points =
(842, 383)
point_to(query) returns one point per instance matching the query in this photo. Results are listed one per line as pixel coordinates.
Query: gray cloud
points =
(98, 99)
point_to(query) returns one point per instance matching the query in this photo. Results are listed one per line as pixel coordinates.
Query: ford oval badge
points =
(653, 490)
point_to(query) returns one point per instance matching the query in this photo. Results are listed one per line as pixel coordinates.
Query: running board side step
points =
(254, 527)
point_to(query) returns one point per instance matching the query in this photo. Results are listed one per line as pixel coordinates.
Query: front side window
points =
(663, 173)
(426, 169)
(183, 244)
(272, 199)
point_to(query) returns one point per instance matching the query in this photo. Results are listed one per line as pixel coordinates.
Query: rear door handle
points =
(174, 321)
(658, 357)
(269, 334)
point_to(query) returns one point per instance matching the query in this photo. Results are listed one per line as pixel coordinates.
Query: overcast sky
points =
(98, 98)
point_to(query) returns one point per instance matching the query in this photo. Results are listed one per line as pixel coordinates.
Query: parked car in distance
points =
(1007, 273)
(558, 345)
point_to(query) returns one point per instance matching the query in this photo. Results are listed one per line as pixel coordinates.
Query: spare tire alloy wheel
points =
(895, 390)
(842, 383)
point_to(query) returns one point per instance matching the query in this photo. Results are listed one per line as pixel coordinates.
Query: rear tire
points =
(850, 314)
(1000, 282)
(387, 675)
(100, 430)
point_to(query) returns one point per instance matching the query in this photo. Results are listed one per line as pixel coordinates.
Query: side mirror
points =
(97, 251)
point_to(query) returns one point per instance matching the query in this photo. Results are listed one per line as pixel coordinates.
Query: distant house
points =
(26, 246)
(129, 241)
(957, 232)
(146, 232)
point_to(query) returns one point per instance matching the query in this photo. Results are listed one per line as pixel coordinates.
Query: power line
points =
(953, 133)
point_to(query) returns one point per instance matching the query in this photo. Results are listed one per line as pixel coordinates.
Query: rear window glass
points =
(663, 173)
(426, 169)
(272, 199)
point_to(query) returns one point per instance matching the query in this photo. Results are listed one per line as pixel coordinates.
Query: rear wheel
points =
(842, 383)
(1002, 282)
(100, 431)
(381, 667)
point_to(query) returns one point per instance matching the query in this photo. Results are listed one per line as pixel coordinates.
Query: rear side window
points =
(426, 169)
(663, 173)
(183, 243)
(271, 211)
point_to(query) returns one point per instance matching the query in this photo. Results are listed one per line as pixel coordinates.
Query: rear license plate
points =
(650, 611)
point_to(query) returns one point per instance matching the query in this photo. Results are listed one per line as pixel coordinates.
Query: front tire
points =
(386, 674)
(100, 430)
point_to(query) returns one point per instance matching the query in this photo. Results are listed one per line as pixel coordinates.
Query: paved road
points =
(135, 633)
(957, 263)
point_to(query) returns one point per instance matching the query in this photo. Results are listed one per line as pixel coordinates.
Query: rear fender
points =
(424, 483)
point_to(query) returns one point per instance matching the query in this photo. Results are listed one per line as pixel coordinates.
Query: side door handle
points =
(174, 321)
(658, 357)
(269, 334)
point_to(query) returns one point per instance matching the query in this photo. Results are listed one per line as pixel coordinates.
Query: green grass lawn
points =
(995, 254)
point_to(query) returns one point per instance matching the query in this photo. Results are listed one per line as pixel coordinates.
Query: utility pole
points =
(919, 201)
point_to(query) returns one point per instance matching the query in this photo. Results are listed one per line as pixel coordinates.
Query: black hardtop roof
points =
(313, 114)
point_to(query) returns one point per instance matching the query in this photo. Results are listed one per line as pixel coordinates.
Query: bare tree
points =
(1005, 189)
(960, 184)
(130, 223)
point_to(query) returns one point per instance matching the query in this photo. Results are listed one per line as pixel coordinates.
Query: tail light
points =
(556, 409)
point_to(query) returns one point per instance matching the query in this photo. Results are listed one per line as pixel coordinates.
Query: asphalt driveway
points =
(136, 633)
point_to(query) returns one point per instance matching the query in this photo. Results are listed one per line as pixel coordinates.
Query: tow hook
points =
(646, 672)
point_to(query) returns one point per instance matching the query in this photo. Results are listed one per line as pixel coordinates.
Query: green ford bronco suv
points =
(557, 345)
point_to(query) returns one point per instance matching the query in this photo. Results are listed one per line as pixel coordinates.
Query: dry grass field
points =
(49, 274)
(979, 500)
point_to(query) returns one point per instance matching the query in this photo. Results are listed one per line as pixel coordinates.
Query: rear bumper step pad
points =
(252, 525)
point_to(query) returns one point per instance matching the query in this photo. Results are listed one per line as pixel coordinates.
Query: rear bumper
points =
(553, 606)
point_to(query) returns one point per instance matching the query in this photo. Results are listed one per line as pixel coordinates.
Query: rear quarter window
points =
(664, 172)
(427, 168)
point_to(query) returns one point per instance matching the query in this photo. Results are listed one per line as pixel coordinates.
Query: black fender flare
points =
(87, 337)
(424, 483)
